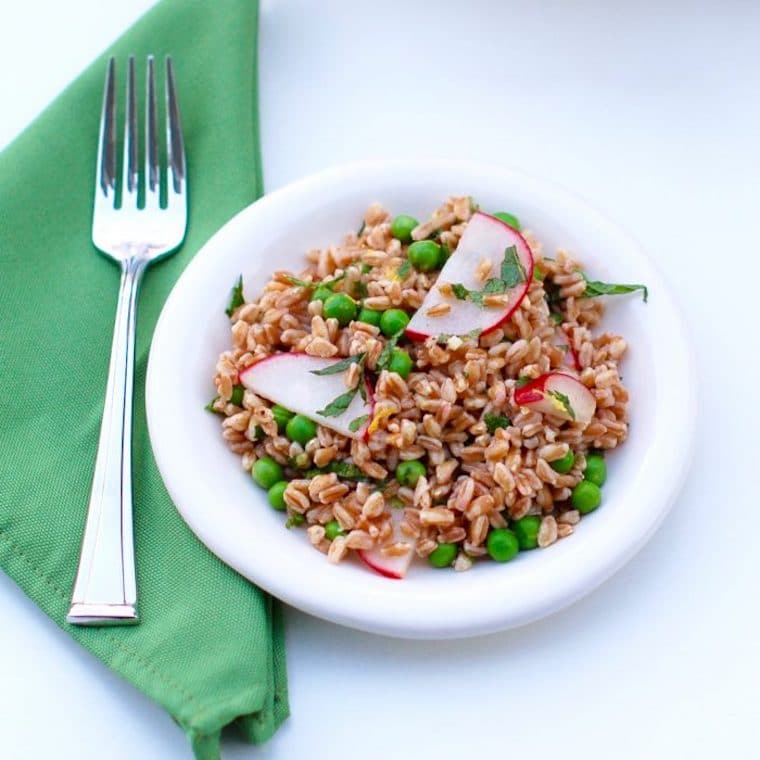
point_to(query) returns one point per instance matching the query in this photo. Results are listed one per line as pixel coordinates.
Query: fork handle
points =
(105, 590)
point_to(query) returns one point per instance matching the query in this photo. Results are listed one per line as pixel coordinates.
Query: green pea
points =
(237, 395)
(509, 219)
(340, 306)
(526, 529)
(502, 544)
(586, 497)
(321, 293)
(564, 465)
(393, 322)
(400, 362)
(266, 472)
(281, 416)
(402, 226)
(443, 555)
(370, 317)
(300, 429)
(333, 530)
(276, 495)
(425, 255)
(408, 473)
(596, 470)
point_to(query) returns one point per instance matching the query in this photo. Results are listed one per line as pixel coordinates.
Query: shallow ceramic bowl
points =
(231, 515)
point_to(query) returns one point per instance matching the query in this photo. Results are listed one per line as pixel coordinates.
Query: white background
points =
(652, 111)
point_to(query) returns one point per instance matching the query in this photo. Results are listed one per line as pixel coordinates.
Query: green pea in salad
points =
(435, 391)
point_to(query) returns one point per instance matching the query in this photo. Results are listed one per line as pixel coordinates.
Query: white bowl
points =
(231, 515)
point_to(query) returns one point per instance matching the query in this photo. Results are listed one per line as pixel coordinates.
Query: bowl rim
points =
(383, 610)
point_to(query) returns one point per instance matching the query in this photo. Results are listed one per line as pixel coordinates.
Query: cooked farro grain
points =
(485, 461)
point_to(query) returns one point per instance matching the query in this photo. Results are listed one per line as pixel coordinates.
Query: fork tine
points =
(106, 169)
(130, 180)
(175, 145)
(152, 173)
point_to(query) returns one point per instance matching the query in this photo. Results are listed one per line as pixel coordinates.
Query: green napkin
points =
(209, 647)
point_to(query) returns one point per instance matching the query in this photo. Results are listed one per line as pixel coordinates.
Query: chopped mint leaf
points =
(385, 355)
(521, 381)
(210, 406)
(236, 297)
(557, 318)
(237, 395)
(564, 400)
(343, 364)
(338, 405)
(295, 520)
(361, 229)
(512, 270)
(495, 421)
(366, 268)
(460, 291)
(404, 269)
(301, 283)
(347, 470)
(259, 433)
(512, 274)
(597, 288)
(355, 424)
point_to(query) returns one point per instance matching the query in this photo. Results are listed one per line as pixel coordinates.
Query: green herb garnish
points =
(347, 470)
(366, 268)
(404, 269)
(360, 289)
(340, 366)
(338, 405)
(307, 284)
(295, 520)
(522, 380)
(564, 400)
(361, 229)
(236, 297)
(210, 406)
(385, 355)
(512, 273)
(495, 421)
(597, 288)
(356, 423)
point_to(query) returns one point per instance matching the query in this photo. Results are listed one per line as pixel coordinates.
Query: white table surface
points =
(650, 110)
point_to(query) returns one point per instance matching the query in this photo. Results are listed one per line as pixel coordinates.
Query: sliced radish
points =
(485, 237)
(560, 395)
(286, 379)
(391, 567)
(563, 341)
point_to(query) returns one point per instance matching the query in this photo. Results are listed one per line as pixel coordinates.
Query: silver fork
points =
(105, 590)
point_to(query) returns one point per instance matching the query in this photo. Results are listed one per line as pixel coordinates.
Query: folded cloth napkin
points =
(209, 646)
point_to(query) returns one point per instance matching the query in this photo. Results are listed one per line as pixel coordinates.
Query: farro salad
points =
(428, 390)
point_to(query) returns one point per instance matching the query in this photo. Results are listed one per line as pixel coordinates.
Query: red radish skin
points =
(390, 567)
(484, 235)
(563, 340)
(286, 379)
(535, 395)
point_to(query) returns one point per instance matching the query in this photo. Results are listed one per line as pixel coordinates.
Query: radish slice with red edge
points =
(563, 341)
(287, 379)
(485, 237)
(391, 567)
(560, 395)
